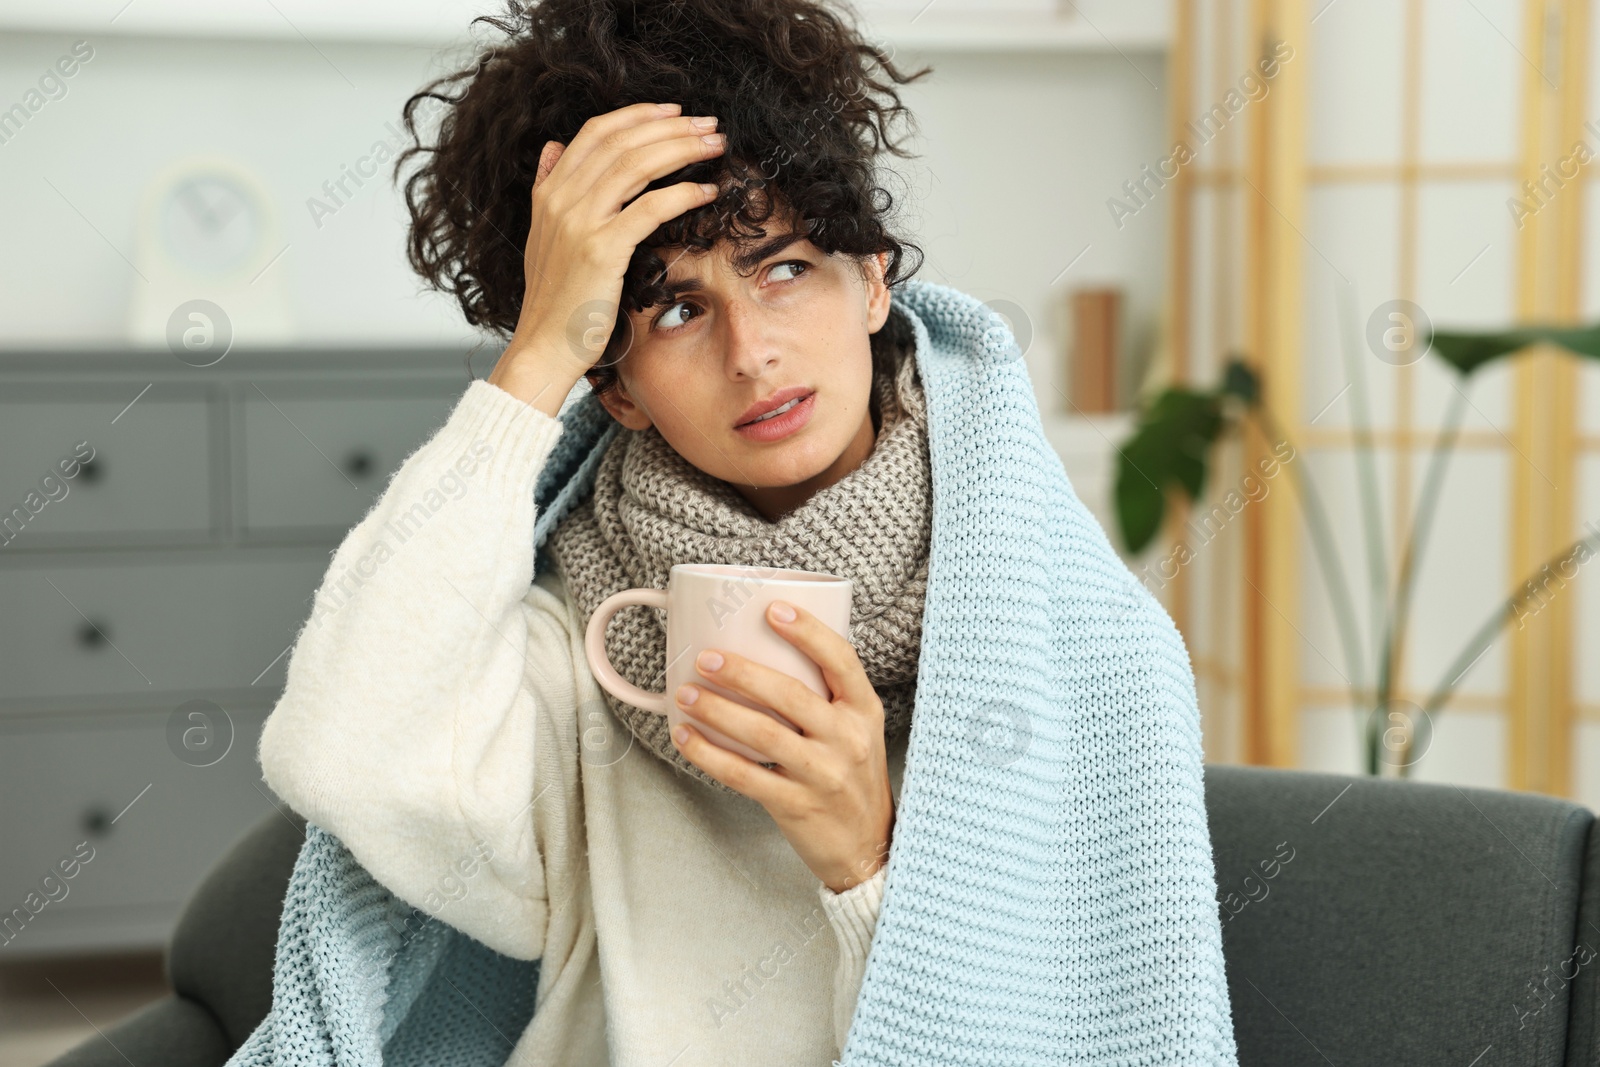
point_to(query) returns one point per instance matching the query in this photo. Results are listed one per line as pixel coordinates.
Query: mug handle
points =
(594, 647)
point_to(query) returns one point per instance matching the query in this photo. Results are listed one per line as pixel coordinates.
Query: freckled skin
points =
(697, 364)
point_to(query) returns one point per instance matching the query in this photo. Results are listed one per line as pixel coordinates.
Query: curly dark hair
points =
(804, 100)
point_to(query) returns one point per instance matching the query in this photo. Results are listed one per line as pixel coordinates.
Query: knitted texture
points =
(651, 509)
(360, 977)
(1049, 897)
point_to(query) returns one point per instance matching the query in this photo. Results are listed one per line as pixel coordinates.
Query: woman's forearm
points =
(406, 728)
(537, 373)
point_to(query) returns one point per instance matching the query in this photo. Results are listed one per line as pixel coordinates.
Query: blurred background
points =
(1262, 259)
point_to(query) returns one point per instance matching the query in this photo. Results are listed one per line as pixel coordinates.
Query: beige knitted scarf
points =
(651, 509)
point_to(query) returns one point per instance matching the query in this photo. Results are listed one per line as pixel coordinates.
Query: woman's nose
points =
(750, 348)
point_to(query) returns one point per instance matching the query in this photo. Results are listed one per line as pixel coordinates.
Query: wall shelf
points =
(1021, 33)
(1081, 433)
(1138, 28)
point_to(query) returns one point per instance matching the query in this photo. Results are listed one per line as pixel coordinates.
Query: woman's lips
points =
(780, 425)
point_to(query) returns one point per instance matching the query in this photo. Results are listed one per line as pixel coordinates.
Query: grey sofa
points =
(1364, 922)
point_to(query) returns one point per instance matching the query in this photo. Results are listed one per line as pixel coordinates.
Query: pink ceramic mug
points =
(715, 605)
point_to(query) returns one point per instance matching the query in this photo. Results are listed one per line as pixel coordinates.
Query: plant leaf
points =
(1140, 505)
(1240, 379)
(1466, 352)
(1188, 468)
(1170, 445)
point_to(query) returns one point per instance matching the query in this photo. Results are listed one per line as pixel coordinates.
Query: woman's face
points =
(802, 320)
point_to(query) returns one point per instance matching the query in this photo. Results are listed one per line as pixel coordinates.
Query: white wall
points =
(1021, 150)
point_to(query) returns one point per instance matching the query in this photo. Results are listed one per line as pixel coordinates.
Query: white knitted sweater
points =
(439, 719)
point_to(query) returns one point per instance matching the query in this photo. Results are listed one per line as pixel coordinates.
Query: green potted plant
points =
(1169, 450)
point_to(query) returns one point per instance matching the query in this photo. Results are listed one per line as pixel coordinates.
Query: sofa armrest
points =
(221, 954)
(1375, 920)
(219, 961)
(173, 1031)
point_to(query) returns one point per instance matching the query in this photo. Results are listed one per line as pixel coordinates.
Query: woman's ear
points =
(624, 409)
(877, 293)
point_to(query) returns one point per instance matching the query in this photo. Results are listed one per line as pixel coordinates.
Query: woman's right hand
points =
(580, 239)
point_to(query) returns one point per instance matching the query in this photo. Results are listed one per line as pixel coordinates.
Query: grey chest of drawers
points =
(162, 530)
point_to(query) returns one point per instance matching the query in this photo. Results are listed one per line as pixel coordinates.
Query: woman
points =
(683, 900)
(1051, 901)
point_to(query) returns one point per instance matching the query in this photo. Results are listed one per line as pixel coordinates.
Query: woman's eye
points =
(792, 263)
(664, 320)
(667, 322)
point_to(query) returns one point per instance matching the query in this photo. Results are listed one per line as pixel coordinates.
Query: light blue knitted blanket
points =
(1050, 897)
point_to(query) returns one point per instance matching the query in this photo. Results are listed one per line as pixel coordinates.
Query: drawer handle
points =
(91, 472)
(94, 634)
(97, 820)
(359, 464)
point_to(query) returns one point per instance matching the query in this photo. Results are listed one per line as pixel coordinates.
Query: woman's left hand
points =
(829, 793)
